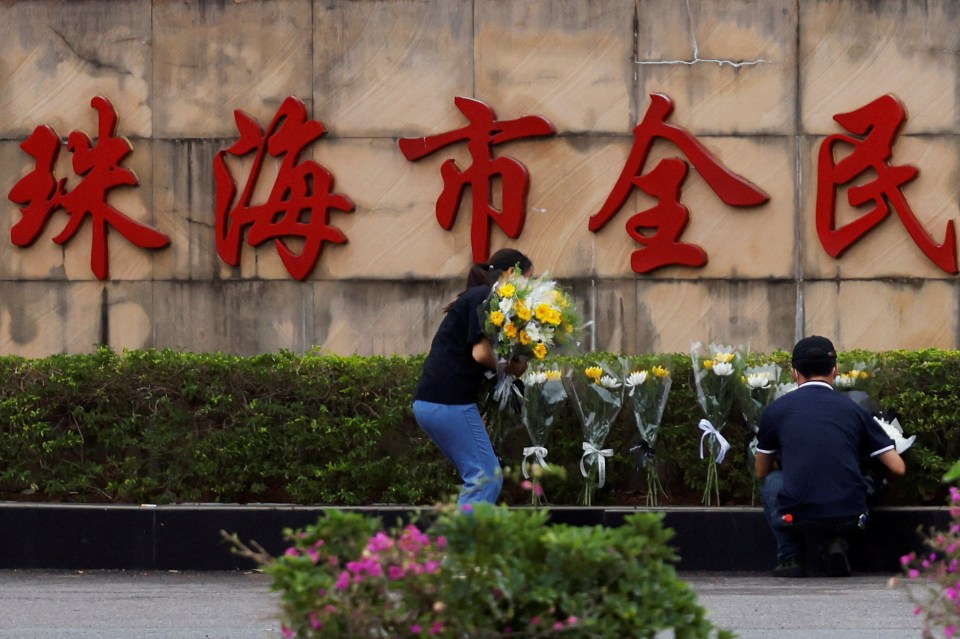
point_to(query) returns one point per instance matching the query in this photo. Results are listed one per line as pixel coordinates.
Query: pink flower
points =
(289, 634)
(558, 625)
(315, 622)
(906, 559)
(430, 566)
(380, 541)
(395, 572)
(343, 581)
(571, 620)
(913, 574)
(526, 484)
(313, 554)
(442, 541)
(534, 621)
(538, 490)
(436, 628)
(292, 552)
(416, 629)
(467, 508)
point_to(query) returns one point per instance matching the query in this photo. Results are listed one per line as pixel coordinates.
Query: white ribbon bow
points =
(538, 452)
(593, 454)
(709, 430)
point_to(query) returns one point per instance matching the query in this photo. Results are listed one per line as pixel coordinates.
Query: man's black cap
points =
(814, 349)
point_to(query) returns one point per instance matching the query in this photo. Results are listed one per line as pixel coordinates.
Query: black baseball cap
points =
(814, 350)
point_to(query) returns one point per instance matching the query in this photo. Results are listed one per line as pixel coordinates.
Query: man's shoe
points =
(837, 563)
(792, 567)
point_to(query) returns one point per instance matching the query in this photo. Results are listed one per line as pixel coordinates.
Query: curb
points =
(187, 536)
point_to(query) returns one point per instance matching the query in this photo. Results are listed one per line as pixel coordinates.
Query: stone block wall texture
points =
(758, 82)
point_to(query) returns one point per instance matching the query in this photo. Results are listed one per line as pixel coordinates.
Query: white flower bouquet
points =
(715, 374)
(597, 396)
(758, 388)
(646, 391)
(543, 397)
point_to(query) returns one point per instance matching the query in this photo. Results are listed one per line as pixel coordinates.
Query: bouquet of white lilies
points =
(543, 397)
(646, 391)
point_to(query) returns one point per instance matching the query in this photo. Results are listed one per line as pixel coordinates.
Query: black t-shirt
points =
(450, 374)
(820, 436)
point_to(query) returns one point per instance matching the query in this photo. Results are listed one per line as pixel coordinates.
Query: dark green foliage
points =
(166, 426)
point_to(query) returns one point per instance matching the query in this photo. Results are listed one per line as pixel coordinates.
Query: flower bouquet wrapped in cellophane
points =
(757, 389)
(596, 393)
(646, 388)
(543, 398)
(526, 318)
(716, 370)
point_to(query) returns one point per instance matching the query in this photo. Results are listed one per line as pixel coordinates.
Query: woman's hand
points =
(516, 367)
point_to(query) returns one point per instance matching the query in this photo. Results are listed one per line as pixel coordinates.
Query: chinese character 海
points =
(298, 207)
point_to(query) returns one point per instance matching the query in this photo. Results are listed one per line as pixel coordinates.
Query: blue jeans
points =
(789, 543)
(460, 433)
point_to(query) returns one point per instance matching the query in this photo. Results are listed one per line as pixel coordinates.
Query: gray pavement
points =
(235, 605)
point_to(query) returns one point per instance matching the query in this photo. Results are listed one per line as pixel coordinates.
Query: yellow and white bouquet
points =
(716, 373)
(543, 398)
(597, 396)
(527, 317)
(759, 386)
(646, 388)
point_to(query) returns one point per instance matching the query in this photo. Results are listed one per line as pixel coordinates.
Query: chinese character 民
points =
(98, 165)
(481, 134)
(669, 217)
(878, 124)
(298, 207)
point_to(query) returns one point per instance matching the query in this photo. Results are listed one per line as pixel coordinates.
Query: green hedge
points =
(166, 426)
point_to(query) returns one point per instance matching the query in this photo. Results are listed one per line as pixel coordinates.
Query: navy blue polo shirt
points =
(450, 374)
(819, 436)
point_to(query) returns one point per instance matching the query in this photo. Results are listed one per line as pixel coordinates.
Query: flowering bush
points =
(490, 573)
(933, 580)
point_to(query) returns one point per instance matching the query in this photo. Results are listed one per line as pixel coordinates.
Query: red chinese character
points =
(669, 217)
(878, 124)
(299, 203)
(481, 134)
(99, 167)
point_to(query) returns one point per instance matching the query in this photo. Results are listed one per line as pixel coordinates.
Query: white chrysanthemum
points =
(534, 378)
(609, 382)
(758, 380)
(844, 381)
(537, 334)
(506, 305)
(783, 389)
(722, 369)
(636, 378)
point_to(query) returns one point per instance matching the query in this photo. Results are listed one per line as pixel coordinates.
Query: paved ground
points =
(233, 605)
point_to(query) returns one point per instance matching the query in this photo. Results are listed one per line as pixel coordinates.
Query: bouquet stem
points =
(712, 488)
(654, 487)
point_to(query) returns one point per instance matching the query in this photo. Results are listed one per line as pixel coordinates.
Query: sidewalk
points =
(238, 605)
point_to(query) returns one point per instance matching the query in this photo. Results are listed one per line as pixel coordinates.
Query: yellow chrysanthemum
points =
(708, 364)
(569, 328)
(523, 312)
(497, 318)
(864, 374)
(510, 330)
(525, 338)
(548, 314)
(540, 351)
(726, 358)
(594, 372)
(553, 376)
(507, 290)
(660, 371)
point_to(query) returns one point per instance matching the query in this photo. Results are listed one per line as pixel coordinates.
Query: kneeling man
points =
(818, 437)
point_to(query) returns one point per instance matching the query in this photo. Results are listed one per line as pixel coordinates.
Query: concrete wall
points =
(757, 81)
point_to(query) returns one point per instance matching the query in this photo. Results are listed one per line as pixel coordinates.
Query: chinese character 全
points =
(669, 217)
